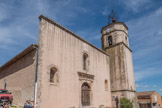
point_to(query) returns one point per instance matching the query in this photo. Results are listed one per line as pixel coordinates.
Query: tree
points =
(126, 103)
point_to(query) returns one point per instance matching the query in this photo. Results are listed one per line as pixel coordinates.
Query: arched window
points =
(85, 61)
(110, 40)
(53, 75)
(85, 94)
(126, 38)
(106, 85)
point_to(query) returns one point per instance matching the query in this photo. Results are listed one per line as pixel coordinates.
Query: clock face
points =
(107, 30)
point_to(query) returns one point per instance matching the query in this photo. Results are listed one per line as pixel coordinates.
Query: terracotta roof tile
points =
(145, 93)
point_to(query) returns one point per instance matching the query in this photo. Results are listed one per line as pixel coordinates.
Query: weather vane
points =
(113, 17)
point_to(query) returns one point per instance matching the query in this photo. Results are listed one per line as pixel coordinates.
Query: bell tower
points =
(115, 42)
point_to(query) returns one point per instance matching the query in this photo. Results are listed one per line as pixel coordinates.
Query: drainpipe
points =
(5, 84)
(36, 71)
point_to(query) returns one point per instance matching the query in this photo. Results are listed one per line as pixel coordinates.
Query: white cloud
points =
(141, 85)
(145, 86)
(65, 11)
(160, 32)
(3, 14)
(147, 89)
(105, 11)
(145, 34)
(145, 40)
(137, 85)
(5, 36)
(136, 5)
(42, 5)
(90, 34)
(19, 27)
(19, 20)
(143, 73)
(160, 89)
(154, 86)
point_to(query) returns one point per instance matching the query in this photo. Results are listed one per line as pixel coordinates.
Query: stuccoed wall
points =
(122, 73)
(59, 48)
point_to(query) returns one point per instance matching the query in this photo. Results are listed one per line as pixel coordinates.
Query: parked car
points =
(5, 96)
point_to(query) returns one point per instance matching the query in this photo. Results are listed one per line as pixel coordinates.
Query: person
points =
(28, 104)
(117, 101)
(6, 105)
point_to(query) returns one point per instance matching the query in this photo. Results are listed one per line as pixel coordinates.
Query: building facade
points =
(19, 75)
(66, 71)
(150, 99)
(82, 70)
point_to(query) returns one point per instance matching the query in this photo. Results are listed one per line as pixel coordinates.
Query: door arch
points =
(85, 94)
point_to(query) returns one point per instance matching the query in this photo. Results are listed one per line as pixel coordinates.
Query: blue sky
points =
(19, 27)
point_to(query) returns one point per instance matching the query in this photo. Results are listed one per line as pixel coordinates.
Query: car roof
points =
(3, 89)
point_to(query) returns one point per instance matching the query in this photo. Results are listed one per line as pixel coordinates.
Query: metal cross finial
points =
(112, 17)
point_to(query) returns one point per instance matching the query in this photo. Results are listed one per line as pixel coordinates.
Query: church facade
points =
(65, 71)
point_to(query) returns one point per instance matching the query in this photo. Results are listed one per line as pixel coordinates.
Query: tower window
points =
(125, 38)
(53, 75)
(85, 61)
(110, 40)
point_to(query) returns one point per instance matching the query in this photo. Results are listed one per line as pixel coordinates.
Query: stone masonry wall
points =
(20, 78)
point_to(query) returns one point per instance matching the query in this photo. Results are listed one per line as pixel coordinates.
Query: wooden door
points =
(85, 95)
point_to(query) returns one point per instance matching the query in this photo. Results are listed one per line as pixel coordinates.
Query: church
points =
(65, 71)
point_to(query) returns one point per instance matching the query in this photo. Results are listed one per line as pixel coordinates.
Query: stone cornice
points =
(117, 45)
(70, 32)
(123, 90)
(85, 76)
(113, 24)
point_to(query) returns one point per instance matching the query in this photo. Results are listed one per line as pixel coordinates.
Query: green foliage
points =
(126, 103)
(13, 106)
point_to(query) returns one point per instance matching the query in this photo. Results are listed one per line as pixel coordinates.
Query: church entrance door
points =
(85, 94)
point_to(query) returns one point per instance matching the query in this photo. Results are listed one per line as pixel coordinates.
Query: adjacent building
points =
(18, 75)
(150, 99)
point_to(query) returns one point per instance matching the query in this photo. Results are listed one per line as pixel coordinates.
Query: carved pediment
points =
(85, 76)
